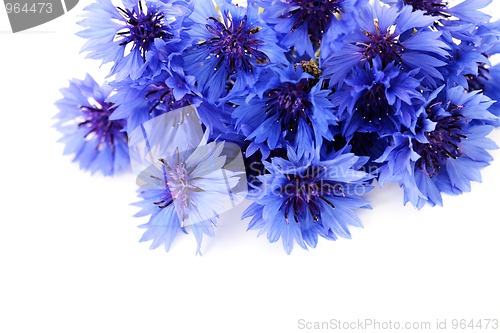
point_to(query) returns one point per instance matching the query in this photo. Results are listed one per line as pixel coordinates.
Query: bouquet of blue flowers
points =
(296, 105)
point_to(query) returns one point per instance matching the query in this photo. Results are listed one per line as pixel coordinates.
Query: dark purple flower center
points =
(444, 141)
(235, 45)
(431, 7)
(384, 44)
(96, 122)
(372, 105)
(290, 102)
(161, 99)
(304, 192)
(314, 15)
(142, 28)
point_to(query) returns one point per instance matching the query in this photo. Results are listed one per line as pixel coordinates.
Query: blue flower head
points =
(303, 198)
(303, 23)
(393, 35)
(184, 182)
(184, 193)
(136, 36)
(376, 99)
(445, 151)
(467, 63)
(489, 81)
(289, 108)
(172, 89)
(230, 47)
(98, 143)
(466, 11)
(320, 96)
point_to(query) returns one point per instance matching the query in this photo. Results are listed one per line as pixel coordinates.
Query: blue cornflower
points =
(472, 68)
(445, 151)
(303, 198)
(478, 73)
(376, 99)
(489, 81)
(290, 107)
(399, 36)
(186, 191)
(466, 63)
(488, 37)
(303, 23)
(472, 43)
(172, 89)
(466, 11)
(229, 49)
(98, 143)
(134, 35)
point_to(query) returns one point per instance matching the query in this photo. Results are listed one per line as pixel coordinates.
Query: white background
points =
(70, 260)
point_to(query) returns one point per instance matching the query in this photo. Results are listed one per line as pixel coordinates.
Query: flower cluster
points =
(322, 98)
